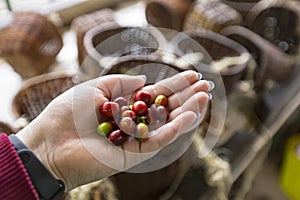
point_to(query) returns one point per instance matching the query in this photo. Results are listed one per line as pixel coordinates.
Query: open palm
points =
(64, 135)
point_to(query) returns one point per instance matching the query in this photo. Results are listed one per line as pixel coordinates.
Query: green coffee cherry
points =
(104, 128)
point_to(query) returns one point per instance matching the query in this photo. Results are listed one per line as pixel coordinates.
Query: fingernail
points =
(198, 114)
(143, 77)
(209, 96)
(199, 76)
(211, 85)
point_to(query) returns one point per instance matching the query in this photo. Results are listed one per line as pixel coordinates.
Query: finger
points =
(179, 98)
(170, 131)
(113, 86)
(173, 84)
(196, 103)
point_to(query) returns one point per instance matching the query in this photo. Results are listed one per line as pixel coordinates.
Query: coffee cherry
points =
(127, 125)
(142, 132)
(121, 101)
(139, 107)
(117, 137)
(109, 109)
(162, 113)
(156, 113)
(105, 128)
(161, 100)
(124, 108)
(129, 113)
(143, 96)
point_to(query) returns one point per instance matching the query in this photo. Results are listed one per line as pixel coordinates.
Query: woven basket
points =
(6, 128)
(167, 13)
(211, 15)
(278, 22)
(82, 24)
(222, 59)
(30, 43)
(36, 93)
(107, 42)
(271, 62)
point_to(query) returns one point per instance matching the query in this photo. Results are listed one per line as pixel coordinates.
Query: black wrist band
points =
(45, 184)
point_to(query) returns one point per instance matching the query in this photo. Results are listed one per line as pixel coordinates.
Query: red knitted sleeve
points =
(15, 183)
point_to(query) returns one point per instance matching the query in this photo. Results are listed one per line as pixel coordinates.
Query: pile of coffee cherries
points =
(122, 119)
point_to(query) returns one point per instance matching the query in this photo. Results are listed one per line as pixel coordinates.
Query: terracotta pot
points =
(146, 186)
(223, 58)
(278, 22)
(271, 62)
(106, 43)
(167, 13)
(211, 15)
(242, 6)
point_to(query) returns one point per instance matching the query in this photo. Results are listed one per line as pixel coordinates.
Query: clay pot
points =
(278, 22)
(271, 62)
(106, 43)
(242, 6)
(223, 58)
(167, 13)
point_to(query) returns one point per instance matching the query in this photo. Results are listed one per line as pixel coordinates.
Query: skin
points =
(64, 135)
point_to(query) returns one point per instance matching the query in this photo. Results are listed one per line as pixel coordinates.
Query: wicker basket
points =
(211, 15)
(36, 93)
(271, 62)
(167, 13)
(30, 43)
(278, 22)
(6, 128)
(222, 59)
(108, 42)
(82, 24)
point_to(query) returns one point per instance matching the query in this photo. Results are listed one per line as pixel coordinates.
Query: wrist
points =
(47, 186)
(32, 137)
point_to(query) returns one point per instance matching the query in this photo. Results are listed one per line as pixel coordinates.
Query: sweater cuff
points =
(15, 182)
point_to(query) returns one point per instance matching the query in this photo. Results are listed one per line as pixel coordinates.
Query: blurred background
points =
(249, 48)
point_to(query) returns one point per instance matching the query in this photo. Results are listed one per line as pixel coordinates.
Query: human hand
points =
(64, 135)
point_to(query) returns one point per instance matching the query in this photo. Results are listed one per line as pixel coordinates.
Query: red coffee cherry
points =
(117, 137)
(139, 107)
(109, 109)
(129, 113)
(143, 96)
